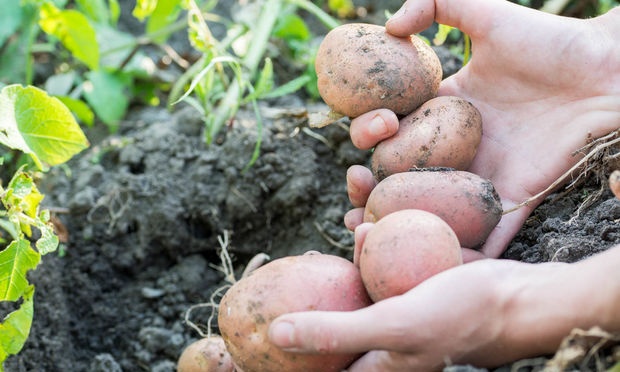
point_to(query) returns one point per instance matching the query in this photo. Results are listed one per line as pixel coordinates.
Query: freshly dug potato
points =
(360, 67)
(444, 132)
(466, 201)
(208, 354)
(289, 284)
(405, 248)
(614, 183)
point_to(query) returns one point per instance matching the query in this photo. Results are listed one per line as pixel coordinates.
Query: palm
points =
(534, 118)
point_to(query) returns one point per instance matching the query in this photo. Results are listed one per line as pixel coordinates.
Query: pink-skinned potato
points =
(467, 202)
(360, 67)
(295, 283)
(405, 248)
(208, 354)
(444, 132)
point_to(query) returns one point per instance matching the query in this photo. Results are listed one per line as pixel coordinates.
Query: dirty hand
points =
(545, 85)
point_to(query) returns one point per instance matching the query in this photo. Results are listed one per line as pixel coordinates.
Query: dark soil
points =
(145, 209)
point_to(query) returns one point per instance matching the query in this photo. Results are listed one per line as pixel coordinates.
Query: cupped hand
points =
(545, 85)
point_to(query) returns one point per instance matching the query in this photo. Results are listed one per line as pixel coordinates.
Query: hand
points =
(545, 86)
(485, 313)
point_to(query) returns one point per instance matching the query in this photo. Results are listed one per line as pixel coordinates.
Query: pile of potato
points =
(425, 207)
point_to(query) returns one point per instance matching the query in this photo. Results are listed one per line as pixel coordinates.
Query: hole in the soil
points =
(198, 229)
(137, 168)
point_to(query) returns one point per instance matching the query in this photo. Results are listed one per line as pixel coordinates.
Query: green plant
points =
(41, 127)
(229, 75)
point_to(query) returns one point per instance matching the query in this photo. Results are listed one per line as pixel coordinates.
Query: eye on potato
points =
(360, 67)
(444, 132)
(405, 248)
(288, 284)
(466, 201)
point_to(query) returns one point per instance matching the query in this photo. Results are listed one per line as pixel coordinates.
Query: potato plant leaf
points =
(15, 328)
(106, 94)
(164, 14)
(73, 30)
(39, 125)
(15, 261)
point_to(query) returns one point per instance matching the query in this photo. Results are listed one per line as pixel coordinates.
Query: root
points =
(598, 154)
(226, 267)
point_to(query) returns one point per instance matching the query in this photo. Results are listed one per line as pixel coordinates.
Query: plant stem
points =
(262, 32)
(311, 8)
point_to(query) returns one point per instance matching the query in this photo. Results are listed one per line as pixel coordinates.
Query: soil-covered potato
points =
(405, 248)
(444, 132)
(466, 201)
(360, 67)
(208, 354)
(288, 284)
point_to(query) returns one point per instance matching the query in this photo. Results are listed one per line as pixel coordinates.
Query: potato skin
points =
(444, 132)
(360, 67)
(288, 284)
(405, 248)
(208, 354)
(466, 201)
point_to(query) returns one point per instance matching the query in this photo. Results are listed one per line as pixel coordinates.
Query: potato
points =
(614, 183)
(208, 354)
(444, 132)
(360, 67)
(405, 248)
(466, 201)
(289, 284)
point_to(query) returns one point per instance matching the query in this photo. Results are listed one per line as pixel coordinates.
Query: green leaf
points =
(39, 125)
(79, 109)
(73, 30)
(115, 11)
(15, 328)
(95, 10)
(292, 26)
(288, 88)
(442, 34)
(48, 242)
(16, 62)
(343, 8)
(264, 83)
(106, 94)
(10, 19)
(164, 14)
(15, 262)
(144, 8)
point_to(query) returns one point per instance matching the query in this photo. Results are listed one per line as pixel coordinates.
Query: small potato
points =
(360, 67)
(405, 248)
(614, 183)
(289, 284)
(466, 201)
(444, 132)
(208, 354)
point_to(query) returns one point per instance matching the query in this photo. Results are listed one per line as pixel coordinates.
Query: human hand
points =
(543, 93)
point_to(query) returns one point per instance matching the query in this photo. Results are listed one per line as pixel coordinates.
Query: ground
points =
(148, 209)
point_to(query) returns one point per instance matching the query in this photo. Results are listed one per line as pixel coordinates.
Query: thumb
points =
(329, 332)
(417, 15)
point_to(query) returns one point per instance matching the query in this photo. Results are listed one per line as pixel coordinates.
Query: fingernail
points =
(282, 334)
(377, 126)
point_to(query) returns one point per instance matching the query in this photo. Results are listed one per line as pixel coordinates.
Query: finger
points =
(353, 218)
(506, 229)
(417, 15)
(370, 128)
(334, 332)
(470, 255)
(360, 183)
(360, 235)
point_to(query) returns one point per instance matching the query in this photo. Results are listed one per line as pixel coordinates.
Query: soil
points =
(149, 209)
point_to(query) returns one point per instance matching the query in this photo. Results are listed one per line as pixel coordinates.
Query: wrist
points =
(544, 302)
